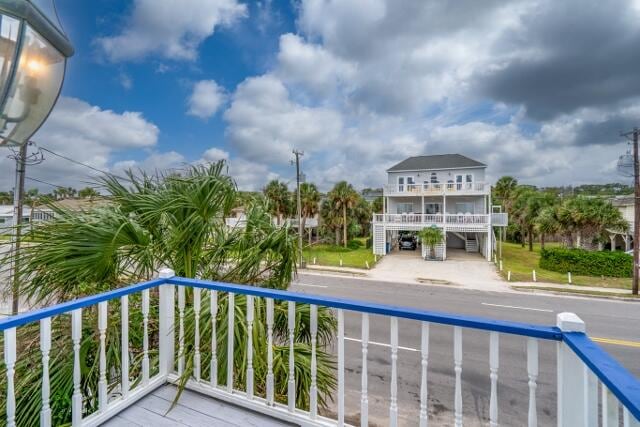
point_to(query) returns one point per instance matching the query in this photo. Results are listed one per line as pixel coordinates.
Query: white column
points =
(167, 340)
(613, 242)
(573, 381)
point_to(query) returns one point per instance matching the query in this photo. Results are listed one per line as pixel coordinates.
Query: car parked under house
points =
(447, 191)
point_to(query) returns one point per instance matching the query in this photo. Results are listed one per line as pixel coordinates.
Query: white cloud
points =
(265, 125)
(251, 176)
(215, 154)
(206, 99)
(88, 134)
(169, 29)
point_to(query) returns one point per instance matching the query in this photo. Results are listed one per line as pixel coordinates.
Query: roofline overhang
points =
(437, 169)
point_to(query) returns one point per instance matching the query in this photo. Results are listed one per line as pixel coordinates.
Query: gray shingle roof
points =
(440, 161)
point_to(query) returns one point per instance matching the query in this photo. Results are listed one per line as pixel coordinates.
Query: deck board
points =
(192, 410)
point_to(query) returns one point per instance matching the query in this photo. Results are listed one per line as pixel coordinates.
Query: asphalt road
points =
(605, 319)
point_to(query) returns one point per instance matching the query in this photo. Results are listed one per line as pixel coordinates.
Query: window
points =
(468, 181)
(434, 178)
(432, 208)
(2, 220)
(464, 207)
(401, 183)
(404, 208)
(458, 182)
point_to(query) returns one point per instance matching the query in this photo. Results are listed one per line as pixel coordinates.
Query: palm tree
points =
(310, 202)
(547, 223)
(431, 236)
(88, 193)
(331, 218)
(279, 198)
(504, 191)
(344, 198)
(173, 221)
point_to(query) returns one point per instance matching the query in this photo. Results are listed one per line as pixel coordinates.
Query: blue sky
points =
(538, 89)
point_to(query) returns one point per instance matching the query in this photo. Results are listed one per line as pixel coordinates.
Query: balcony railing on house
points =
(435, 189)
(436, 219)
(581, 364)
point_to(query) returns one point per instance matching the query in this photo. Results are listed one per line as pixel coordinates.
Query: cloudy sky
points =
(539, 89)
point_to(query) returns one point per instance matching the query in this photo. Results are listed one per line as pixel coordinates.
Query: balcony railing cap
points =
(570, 322)
(166, 273)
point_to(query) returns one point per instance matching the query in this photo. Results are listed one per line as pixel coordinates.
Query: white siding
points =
(443, 175)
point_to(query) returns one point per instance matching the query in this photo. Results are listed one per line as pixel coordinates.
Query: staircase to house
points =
(471, 243)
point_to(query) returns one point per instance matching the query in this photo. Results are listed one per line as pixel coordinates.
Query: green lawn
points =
(330, 255)
(521, 263)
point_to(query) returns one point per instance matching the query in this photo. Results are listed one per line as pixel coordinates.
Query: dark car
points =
(408, 242)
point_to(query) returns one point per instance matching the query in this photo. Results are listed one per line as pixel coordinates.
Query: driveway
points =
(461, 269)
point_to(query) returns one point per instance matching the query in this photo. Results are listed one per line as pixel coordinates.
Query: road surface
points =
(609, 321)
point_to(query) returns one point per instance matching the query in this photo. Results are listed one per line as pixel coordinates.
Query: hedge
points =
(587, 263)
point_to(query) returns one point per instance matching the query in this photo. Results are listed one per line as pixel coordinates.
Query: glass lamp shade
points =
(31, 69)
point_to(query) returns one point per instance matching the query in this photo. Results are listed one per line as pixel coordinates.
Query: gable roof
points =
(439, 161)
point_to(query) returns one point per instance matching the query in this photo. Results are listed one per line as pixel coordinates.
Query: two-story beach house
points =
(447, 191)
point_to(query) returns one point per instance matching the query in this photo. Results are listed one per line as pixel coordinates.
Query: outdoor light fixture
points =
(33, 56)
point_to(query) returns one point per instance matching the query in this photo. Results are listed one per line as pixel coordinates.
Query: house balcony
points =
(437, 189)
(459, 222)
(592, 387)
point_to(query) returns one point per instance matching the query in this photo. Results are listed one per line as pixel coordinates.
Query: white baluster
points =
(340, 367)
(628, 420)
(145, 337)
(214, 339)
(314, 367)
(196, 339)
(124, 306)
(364, 398)
(250, 312)
(457, 363)
(10, 363)
(181, 305)
(76, 398)
(424, 395)
(494, 355)
(532, 372)
(102, 331)
(270, 352)
(393, 407)
(291, 389)
(45, 348)
(231, 321)
(610, 416)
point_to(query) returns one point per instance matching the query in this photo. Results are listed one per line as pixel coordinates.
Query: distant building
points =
(621, 240)
(371, 194)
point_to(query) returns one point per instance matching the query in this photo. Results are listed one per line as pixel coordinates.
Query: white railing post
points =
(424, 395)
(145, 337)
(341, 367)
(457, 367)
(45, 348)
(102, 331)
(313, 399)
(167, 340)
(270, 385)
(574, 387)
(393, 401)
(181, 307)
(197, 292)
(124, 333)
(213, 377)
(364, 398)
(494, 357)
(291, 383)
(76, 397)
(250, 312)
(532, 373)
(231, 323)
(10, 363)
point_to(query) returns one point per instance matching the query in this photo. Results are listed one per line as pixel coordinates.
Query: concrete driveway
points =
(461, 269)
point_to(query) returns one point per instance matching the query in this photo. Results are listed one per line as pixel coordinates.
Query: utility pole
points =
(635, 134)
(298, 154)
(18, 195)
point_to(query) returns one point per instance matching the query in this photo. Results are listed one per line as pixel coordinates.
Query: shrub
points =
(354, 244)
(587, 263)
(369, 243)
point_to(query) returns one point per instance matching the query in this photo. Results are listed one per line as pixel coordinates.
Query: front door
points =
(432, 208)
(458, 182)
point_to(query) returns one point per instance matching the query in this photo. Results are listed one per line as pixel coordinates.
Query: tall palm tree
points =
(173, 221)
(331, 218)
(310, 202)
(279, 199)
(547, 223)
(344, 197)
(504, 191)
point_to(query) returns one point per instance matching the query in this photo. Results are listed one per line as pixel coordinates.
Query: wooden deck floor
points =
(193, 410)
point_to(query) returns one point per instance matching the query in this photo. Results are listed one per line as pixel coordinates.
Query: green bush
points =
(369, 243)
(587, 263)
(354, 244)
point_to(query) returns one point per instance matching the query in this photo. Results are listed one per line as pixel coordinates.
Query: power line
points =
(84, 164)
(56, 185)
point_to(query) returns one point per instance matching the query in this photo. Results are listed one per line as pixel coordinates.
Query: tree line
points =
(343, 212)
(542, 214)
(33, 196)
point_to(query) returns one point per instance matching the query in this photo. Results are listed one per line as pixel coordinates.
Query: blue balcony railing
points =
(583, 368)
